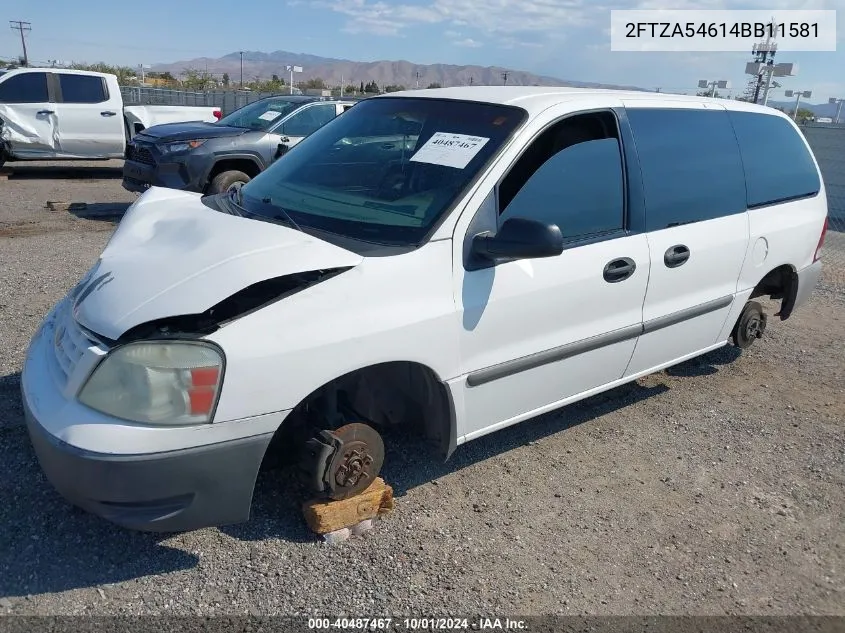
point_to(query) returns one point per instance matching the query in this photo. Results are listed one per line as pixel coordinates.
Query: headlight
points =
(157, 382)
(181, 146)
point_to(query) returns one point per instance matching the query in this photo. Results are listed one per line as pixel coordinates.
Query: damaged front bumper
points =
(146, 478)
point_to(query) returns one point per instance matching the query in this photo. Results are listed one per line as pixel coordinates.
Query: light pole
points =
(291, 70)
(720, 83)
(798, 94)
(242, 69)
(838, 102)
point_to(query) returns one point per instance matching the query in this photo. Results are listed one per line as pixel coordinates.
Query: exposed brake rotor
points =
(346, 460)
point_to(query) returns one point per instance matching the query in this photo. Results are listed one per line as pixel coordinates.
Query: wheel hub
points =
(345, 461)
(356, 463)
(752, 328)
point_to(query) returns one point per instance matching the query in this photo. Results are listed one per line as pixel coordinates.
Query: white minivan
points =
(453, 261)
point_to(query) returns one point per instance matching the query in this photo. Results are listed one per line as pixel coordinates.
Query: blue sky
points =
(567, 39)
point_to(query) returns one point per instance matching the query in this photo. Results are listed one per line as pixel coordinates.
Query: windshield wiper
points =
(234, 205)
(284, 215)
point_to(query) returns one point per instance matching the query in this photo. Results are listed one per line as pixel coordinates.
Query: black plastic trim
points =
(532, 361)
(555, 354)
(687, 313)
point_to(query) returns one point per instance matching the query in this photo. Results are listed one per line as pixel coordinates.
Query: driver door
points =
(536, 333)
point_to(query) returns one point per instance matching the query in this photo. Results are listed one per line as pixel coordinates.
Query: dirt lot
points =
(715, 487)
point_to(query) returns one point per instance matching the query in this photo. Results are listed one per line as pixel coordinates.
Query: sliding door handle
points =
(676, 256)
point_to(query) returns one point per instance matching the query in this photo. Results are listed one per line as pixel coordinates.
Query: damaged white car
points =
(59, 114)
(446, 261)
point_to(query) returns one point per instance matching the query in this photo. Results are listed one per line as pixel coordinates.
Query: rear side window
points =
(691, 165)
(25, 88)
(778, 165)
(82, 89)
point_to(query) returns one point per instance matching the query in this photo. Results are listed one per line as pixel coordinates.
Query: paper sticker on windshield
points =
(270, 115)
(451, 150)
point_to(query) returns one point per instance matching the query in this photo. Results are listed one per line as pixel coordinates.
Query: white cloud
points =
(487, 16)
(468, 43)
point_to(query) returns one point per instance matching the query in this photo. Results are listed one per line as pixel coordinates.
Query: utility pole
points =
(418, 80)
(505, 77)
(242, 68)
(471, 80)
(765, 54)
(22, 27)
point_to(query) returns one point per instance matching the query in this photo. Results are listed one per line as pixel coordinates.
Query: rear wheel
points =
(228, 181)
(749, 326)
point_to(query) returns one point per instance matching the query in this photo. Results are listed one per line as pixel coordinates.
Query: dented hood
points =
(171, 256)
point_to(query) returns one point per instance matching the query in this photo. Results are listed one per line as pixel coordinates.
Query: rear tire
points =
(227, 180)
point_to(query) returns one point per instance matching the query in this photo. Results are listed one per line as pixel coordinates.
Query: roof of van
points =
(67, 71)
(534, 99)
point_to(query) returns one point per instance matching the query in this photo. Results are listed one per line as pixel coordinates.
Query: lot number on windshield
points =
(450, 150)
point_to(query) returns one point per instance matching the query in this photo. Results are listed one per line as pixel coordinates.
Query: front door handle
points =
(676, 256)
(108, 113)
(45, 112)
(619, 270)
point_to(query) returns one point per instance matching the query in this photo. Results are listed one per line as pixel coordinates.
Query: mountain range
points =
(818, 109)
(262, 66)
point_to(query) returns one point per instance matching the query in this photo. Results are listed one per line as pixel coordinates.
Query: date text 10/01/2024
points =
(722, 29)
(417, 624)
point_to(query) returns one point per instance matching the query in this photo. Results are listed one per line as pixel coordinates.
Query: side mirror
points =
(281, 149)
(519, 238)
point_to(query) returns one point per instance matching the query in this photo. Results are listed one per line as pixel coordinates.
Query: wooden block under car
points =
(324, 516)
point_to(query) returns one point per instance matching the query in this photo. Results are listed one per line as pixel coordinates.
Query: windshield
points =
(260, 115)
(385, 171)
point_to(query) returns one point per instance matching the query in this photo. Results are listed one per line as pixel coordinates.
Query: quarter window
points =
(691, 166)
(25, 88)
(571, 176)
(82, 88)
(778, 165)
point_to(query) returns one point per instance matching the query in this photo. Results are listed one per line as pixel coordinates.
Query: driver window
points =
(571, 176)
(309, 119)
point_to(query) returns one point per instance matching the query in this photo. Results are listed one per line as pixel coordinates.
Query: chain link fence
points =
(828, 143)
(227, 100)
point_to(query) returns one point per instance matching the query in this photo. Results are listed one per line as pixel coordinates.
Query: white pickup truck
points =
(58, 114)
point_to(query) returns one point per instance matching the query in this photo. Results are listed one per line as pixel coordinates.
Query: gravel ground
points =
(715, 487)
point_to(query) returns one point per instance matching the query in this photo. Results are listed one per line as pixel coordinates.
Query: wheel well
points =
(136, 127)
(247, 166)
(393, 394)
(779, 283)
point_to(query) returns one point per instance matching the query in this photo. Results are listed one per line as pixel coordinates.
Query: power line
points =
(22, 27)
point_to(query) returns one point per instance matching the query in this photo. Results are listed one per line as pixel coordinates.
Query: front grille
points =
(69, 341)
(140, 154)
